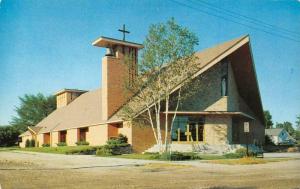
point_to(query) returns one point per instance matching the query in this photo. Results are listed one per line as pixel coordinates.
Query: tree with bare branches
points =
(167, 65)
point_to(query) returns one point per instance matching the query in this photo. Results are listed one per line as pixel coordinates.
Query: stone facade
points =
(217, 130)
(208, 96)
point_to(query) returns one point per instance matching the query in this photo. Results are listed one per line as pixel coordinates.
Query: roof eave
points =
(103, 42)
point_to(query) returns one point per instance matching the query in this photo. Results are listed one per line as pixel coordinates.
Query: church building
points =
(214, 119)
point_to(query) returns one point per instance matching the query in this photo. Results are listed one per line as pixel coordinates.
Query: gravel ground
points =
(37, 170)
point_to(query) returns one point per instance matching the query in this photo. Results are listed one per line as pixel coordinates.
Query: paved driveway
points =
(282, 155)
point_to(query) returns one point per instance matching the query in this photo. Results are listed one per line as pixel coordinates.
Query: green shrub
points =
(45, 145)
(174, 156)
(233, 155)
(177, 156)
(121, 139)
(83, 150)
(105, 150)
(80, 143)
(113, 149)
(239, 153)
(115, 146)
(61, 144)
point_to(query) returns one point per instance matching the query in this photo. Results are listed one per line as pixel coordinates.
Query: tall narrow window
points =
(224, 91)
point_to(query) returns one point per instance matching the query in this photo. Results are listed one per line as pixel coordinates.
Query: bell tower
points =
(119, 66)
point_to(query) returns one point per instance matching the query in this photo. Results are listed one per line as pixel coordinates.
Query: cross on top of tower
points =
(123, 31)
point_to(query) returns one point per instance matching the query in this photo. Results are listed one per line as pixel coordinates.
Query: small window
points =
(224, 91)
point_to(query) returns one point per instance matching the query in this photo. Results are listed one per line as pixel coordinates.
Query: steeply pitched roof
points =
(206, 59)
(273, 132)
(85, 110)
(277, 131)
(35, 129)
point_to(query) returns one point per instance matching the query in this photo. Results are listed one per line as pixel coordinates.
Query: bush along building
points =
(211, 120)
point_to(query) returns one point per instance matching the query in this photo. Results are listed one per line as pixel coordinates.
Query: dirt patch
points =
(16, 164)
(248, 161)
(159, 167)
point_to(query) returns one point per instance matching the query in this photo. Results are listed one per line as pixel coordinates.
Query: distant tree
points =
(268, 119)
(8, 136)
(297, 135)
(32, 109)
(287, 126)
(298, 122)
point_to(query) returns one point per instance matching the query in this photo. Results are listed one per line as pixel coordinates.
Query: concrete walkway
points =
(61, 161)
(282, 155)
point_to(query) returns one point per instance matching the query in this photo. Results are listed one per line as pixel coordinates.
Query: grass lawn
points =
(247, 161)
(62, 149)
(91, 150)
(9, 148)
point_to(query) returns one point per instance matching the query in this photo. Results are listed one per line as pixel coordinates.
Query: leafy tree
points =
(298, 122)
(297, 135)
(268, 119)
(287, 126)
(8, 136)
(32, 109)
(168, 49)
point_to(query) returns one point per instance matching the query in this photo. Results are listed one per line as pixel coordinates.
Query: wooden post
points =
(197, 132)
(188, 133)
(204, 134)
(178, 134)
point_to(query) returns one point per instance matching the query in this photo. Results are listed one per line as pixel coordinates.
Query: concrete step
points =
(204, 148)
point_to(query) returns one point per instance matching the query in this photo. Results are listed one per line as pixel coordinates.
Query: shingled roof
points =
(83, 111)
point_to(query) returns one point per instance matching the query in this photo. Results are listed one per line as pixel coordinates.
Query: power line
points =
(247, 18)
(236, 22)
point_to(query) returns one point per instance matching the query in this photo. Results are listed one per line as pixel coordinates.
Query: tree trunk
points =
(166, 122)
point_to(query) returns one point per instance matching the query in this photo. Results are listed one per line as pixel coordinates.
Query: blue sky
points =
(46, 45)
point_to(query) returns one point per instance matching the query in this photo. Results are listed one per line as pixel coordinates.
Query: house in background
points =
(280, 136)
(213, 118)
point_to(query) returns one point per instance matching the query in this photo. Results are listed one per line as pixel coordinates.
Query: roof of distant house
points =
(273, 132)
